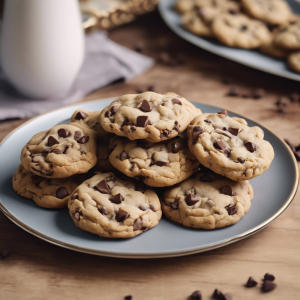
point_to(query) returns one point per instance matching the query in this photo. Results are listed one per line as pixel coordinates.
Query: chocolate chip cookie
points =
(110, 207)
(208, 201)
(275, 12)
(270, 48)
(228, 146)
(156, 164)
(294, 61)
(61, 151)
(45, 192)
(288, 36)
(90, 120)
(238, 30)
(149, 116)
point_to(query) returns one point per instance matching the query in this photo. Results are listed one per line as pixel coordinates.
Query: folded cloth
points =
(105, 62)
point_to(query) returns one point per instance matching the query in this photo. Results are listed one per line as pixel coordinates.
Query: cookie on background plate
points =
(207, 201)
(61, 151)
(90, 120)
(228, 146)
(46, 192)
(110, 207)
(156, 164)
(294, 61)
(149, 116)
(238, 30)
(275, 12)
(288, 36)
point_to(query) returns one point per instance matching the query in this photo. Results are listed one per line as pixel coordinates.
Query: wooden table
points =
(38, 270)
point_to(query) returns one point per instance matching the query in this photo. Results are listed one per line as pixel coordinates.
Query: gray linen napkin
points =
(105, 62)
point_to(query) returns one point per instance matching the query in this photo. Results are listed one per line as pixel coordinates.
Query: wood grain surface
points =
(36, 269)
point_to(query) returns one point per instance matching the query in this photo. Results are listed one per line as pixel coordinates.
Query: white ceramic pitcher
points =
(42, 46)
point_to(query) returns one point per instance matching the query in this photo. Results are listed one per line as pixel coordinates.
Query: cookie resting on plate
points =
(228, 146)
(110, 207)
(149, 116)
(207, 201)
(61, 151)
(156, 164)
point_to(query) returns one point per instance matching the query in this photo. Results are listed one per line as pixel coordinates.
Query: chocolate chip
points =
(294, 97)
(268, 286)
(220, 145)
(129, 297)
(152, 208)
(142, 121)
(227, 152)
(196, 296)
(77, 215)
(5, 253)
(251, 147)
(177, 147)
(161, 163)
(234, 131)
(138, 224)
(176, 127)
(81, 115)
(84, 139)
(103, 187)
(77, 135)
(117, 199)
(241, 160)
(143, 207)
(269, 277)
(62, 192)
(52, 141)
(111, 112)
(46, 151)
(243, 28)
(56, 151)
(208, 177)
(251, 282)
(227, 190)
(258, 93)
(63, 132)
(246, 95)
(74, 196)
(294, 149)
(102, 210)
(191, 199)
(145, 106)
(176, 101)
(231, 209)
(207, 121)
(174, 205)
(217, 294)
(122, 215)
(164, 133)
(123, 156)
(233, 92)
(223, 112)
(196, 132)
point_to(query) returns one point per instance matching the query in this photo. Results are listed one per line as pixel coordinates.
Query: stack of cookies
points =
(267, 25)
(108, 166)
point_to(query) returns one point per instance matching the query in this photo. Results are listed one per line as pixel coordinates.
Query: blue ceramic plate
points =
(250, 58)
(273, 192)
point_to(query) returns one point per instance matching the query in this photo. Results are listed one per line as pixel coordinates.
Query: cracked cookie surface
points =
(46, 192)
(229, 147)
(110, 207)
(156, 164)
(149, 116)
(90, 119)
(275, 12)
(61, 151)
(238, 30)
(208, 201)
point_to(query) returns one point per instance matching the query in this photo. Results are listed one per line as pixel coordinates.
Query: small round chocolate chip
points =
(61, 193)
(81, 115)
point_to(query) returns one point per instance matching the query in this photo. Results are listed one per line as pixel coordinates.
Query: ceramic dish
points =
(273, 192)
(250, 58)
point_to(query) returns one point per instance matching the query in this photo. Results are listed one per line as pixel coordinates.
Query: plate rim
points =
(177, 253)
(293, 76)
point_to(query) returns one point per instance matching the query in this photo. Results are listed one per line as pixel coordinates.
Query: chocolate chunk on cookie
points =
(200, 204)
(229, 147)
(149, 116)
(61, 151)
(110, 207)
